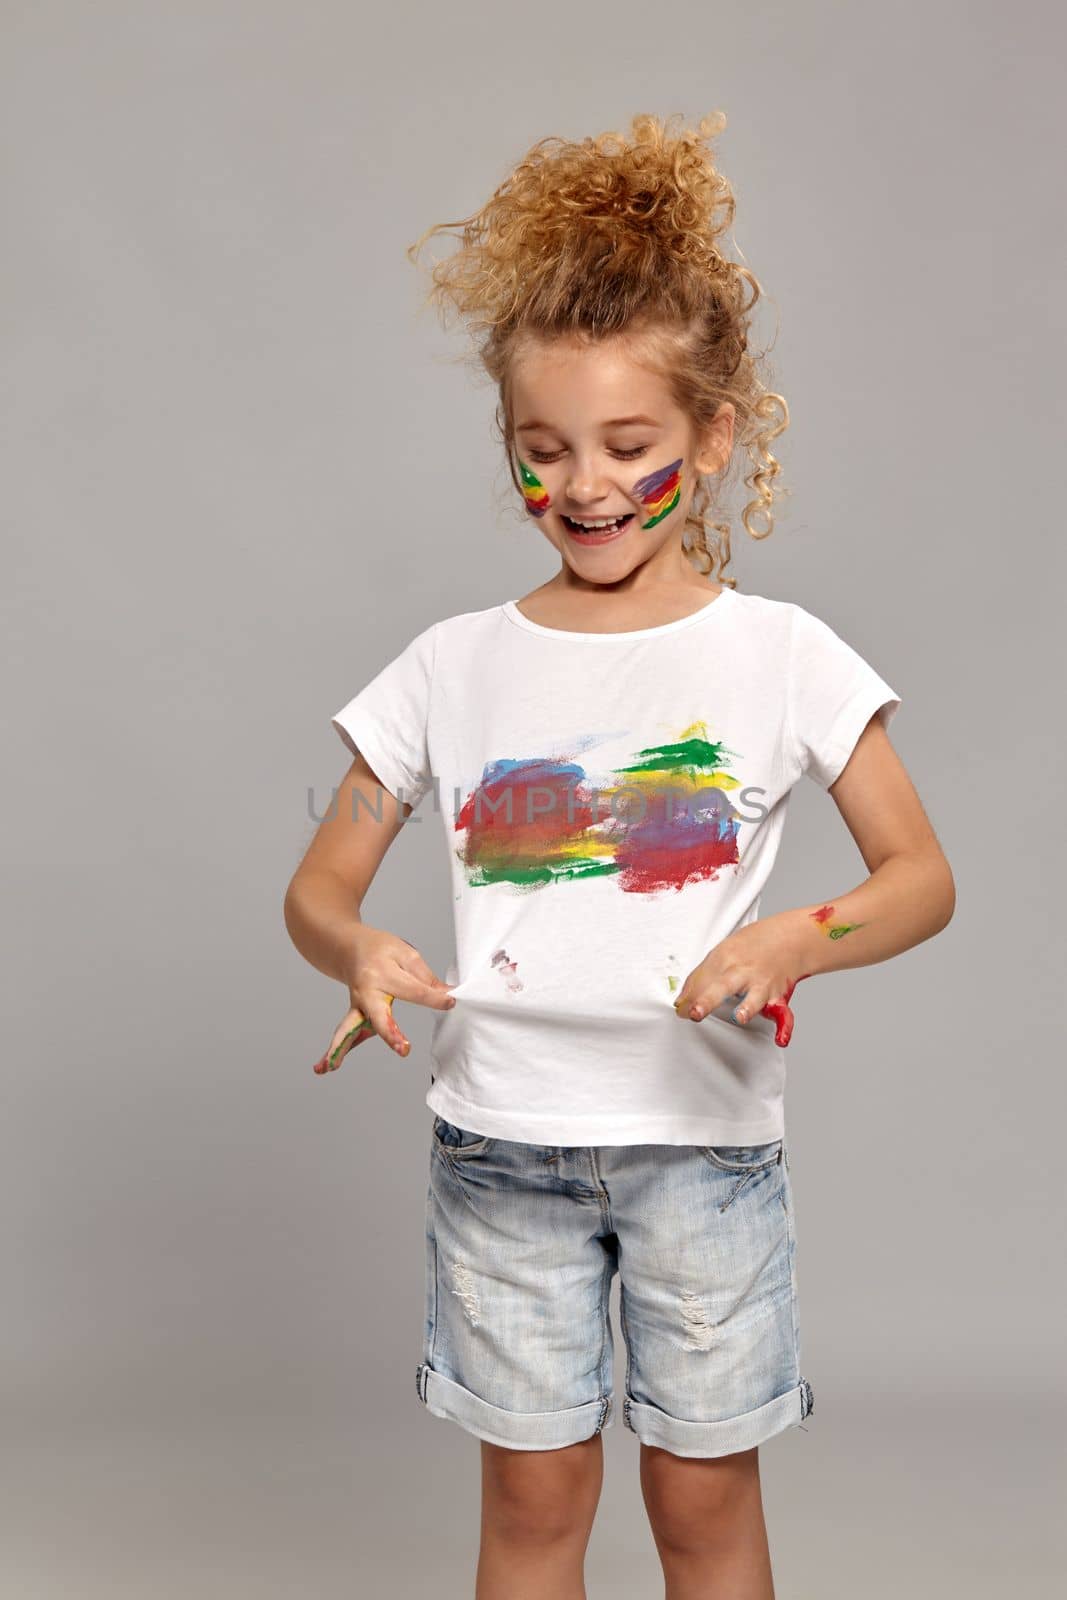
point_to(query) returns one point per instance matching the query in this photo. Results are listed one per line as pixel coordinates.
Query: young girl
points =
(611, 757)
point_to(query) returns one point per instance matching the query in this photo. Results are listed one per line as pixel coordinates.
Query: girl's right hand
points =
(382, 967)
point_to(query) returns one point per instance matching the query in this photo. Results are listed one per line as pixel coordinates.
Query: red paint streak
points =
(550, 827)
(643, 869)
(781, 1014)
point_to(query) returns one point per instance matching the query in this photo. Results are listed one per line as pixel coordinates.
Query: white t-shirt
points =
(648, 775)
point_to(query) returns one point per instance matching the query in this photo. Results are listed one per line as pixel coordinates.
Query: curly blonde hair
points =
(609, 236)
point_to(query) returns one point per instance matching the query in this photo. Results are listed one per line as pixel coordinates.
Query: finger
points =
(781, 1014)
(379, 1009)
(687, 995)
(334, 1054)
(749, 1004)
(696, 1000)
(354, 1029)
(420, 991)
(420, 968)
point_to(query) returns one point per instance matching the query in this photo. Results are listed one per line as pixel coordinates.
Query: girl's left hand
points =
(758, 963)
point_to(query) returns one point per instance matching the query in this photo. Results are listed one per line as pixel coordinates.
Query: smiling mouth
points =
(602, 528)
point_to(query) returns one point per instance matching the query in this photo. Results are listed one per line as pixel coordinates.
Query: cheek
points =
(533, 492)
(659, 492)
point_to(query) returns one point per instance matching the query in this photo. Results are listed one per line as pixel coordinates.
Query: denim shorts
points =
(522, 1242)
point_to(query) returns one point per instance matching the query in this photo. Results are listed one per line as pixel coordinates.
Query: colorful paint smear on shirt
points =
(660, 492)
(533, 492)
(823, 918)
(658, 822)
(513, 983)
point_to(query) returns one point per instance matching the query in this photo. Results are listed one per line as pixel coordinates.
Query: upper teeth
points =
(606, 522)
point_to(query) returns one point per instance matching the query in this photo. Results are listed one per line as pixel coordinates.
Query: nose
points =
(584, 487)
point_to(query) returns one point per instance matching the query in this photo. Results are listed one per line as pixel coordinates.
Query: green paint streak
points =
(845, 927)
(363, 1027)
(667, 509)
(693, 755)
(529, 479)
(532, 873)
(672, 983)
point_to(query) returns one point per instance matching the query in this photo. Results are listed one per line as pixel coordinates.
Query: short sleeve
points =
(388, 720)
(832, 693)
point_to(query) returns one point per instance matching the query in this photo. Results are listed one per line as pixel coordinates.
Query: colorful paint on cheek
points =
(533, 492)
(660, 492)
(823, 919)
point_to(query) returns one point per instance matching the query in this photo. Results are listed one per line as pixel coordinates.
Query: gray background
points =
(241, 472)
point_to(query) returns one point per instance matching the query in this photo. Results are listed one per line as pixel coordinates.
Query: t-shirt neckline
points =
(511, 610)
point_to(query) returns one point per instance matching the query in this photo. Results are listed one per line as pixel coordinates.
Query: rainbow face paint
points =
(533, 492)
(823, 919)
(660, 492)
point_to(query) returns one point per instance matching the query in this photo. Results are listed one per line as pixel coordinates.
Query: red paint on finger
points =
(780, 1012)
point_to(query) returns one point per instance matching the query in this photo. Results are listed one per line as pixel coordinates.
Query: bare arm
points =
(908, 896)
(323, 903)
(324, 900)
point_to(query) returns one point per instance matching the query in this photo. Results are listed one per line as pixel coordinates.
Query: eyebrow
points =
(616, 422)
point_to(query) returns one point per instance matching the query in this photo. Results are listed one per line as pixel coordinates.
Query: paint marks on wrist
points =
(824, 920)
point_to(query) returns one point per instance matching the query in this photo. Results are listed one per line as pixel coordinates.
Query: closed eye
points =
(543, 456)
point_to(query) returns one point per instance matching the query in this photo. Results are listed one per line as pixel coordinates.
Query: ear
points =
(716, 441)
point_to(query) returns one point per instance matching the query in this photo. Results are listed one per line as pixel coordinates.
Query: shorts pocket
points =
(748, 1165)
(456, 1141)
(742, 1157)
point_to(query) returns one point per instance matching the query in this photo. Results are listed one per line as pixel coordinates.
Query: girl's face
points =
(599, 440)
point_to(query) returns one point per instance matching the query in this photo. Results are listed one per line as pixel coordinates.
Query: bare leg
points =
(706, 1515)
(537, 1514)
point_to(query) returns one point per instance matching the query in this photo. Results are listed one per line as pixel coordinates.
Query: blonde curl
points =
(610, 236)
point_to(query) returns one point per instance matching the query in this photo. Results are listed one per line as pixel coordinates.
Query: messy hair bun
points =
(608, 236)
